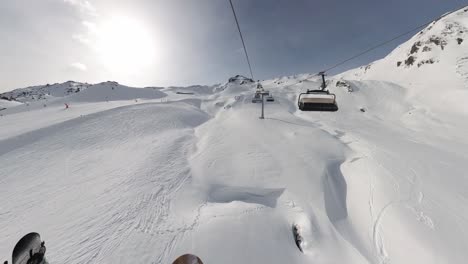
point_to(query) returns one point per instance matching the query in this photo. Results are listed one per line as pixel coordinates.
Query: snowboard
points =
(188, 259)
(26, 247)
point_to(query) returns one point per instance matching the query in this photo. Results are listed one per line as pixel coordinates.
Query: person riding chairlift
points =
(259, 87)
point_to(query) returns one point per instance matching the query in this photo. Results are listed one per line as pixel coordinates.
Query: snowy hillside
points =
(433, 65)
(44, 92)
(81, 92)
(127, 175)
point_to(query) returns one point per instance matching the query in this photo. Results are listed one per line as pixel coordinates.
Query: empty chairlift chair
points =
(318, 100)
(258, 94)
(257, 98)
(270, 98)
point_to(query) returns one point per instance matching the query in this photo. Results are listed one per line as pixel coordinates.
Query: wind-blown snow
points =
(143, 176)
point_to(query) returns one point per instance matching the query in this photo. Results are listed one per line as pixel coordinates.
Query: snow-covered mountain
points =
(127, 175)
(75, 91)
(432, 65)
(44, 92)
(239, 79)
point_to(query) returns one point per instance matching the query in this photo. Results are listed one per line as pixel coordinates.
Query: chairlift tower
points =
(263, 93)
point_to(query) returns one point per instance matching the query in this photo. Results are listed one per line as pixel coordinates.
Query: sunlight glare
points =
(125, 45)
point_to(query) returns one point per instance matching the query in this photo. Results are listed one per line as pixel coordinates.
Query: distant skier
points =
(66, 106)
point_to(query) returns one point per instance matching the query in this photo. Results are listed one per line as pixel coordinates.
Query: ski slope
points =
(147, 181)
(5, 104)
(127, 175)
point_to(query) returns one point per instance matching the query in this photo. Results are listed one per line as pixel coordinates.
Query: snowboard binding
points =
(30, 249)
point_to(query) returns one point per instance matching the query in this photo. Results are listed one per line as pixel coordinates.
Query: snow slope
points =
(433, 65)
(144, 183)
(4, 104)
(117, 180)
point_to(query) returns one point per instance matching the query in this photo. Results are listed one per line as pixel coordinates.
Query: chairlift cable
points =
(242, 39)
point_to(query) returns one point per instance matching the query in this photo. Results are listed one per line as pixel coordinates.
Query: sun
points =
(124, 44)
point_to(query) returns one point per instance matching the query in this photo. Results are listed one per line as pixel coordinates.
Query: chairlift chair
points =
(258, 94)
(318, 100)
(270, 98)
(257, 98)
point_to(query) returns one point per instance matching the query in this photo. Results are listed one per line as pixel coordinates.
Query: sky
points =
(187, 42)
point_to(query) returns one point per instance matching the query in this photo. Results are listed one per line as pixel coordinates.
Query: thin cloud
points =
(85, 37)
(84, 6)
(88, 13)
(78, 66)
(82, 39)
(90, 26)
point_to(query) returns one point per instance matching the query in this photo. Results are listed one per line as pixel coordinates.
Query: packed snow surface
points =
(142, 176)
